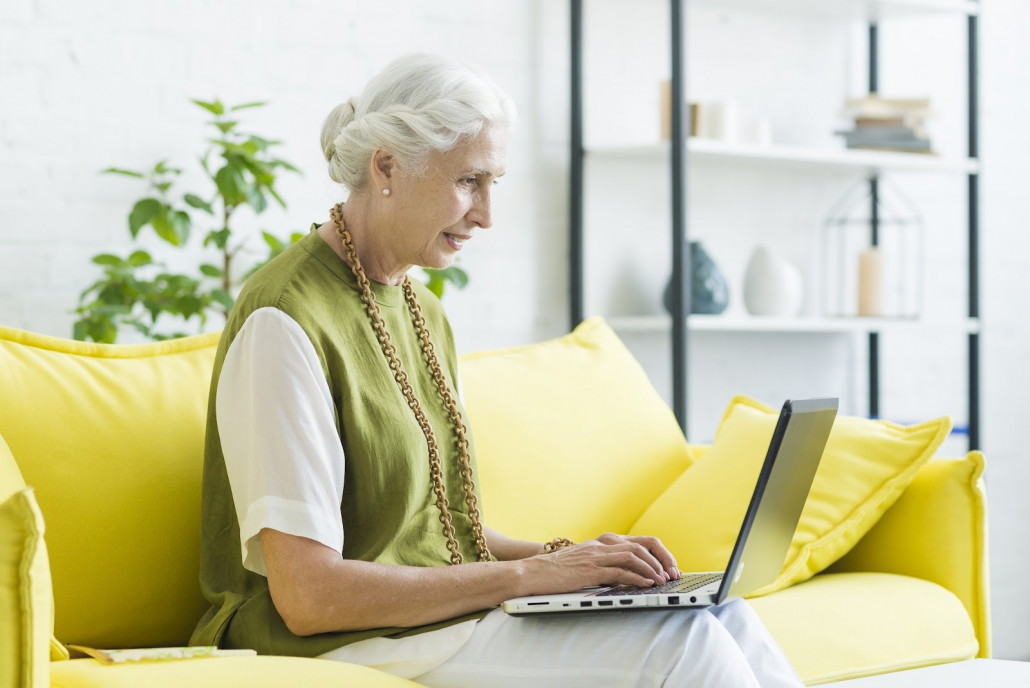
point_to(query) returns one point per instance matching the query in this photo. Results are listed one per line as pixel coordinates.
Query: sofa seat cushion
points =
(219, 672)
(847, 625)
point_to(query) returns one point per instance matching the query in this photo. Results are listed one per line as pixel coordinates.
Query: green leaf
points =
(162, 168)
(79, 330)
(262, 144)
(211, 270)
(182, 224)
(127, 173)
(215, 108)
(243, 106)
(457, 276)
(108, 259)
(276, 196)
(162, 224)
(199, 203)
(143, 212)
(277, 162)
(435, 283)
(256, 199)
(273, 242)
(140, 258)
(218, 237)
(225, 126)
(228, 185)
(223, 298)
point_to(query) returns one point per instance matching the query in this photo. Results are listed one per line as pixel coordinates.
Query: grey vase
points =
(709, 293)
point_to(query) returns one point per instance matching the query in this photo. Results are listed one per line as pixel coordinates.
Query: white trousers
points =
(725, 647)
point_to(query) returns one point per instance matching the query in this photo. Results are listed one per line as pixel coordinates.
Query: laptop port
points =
(625, 601)
(605, 603)
(585, 604)
(674, 599)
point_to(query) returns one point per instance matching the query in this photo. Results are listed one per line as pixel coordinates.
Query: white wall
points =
(85, 85)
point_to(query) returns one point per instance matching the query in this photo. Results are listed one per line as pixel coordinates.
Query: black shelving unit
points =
(680, 281)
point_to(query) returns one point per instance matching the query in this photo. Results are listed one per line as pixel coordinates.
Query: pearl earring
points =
(386, 192)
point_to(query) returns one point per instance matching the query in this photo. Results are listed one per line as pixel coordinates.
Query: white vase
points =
(772, 285)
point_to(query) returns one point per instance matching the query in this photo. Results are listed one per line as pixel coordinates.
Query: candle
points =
(870, 282)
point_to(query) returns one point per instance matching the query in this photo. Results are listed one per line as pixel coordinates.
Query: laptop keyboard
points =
(686, 584)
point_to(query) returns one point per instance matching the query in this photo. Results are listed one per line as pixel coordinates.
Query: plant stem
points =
(226, 257)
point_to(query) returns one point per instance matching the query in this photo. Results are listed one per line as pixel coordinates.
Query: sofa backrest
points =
(111, 438)
(572, 438)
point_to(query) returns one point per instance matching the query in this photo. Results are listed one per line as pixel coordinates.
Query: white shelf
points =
(847, 9)
(746, 323)
(868, 161)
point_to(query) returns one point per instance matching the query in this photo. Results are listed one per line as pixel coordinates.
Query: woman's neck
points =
(377, 261)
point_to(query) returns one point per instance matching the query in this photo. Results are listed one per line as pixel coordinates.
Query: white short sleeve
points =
(277, 425)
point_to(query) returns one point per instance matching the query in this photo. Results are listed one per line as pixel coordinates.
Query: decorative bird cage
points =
(872, 262)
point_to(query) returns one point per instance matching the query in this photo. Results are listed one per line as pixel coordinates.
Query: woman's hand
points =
(609, 559)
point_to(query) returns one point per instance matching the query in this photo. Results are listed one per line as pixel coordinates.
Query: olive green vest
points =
(389, 508)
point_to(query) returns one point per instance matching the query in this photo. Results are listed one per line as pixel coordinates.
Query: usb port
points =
(674, 599)
(605, 603)
(625, 601)
(585, 604)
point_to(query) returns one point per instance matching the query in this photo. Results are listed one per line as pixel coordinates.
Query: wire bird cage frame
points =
(897, 232)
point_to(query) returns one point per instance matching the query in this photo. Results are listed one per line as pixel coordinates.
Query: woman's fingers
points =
(663, 555)
(649, 549)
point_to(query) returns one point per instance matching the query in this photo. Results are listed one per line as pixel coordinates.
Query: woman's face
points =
(435, 214)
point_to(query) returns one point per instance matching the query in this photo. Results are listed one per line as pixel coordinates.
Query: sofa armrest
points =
(937, 531)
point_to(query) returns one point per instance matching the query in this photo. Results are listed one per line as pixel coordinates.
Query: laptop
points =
(761, 548)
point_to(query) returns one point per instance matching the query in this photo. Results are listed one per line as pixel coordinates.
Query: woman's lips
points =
(456, 241)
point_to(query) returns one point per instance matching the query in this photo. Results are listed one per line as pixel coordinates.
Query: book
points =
(875, 107)
(157, 654)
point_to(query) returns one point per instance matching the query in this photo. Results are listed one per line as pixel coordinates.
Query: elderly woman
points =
(340, 511)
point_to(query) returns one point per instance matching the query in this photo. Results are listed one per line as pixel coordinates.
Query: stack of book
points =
(888, 124)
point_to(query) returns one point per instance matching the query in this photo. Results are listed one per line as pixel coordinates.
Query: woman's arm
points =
(315, 590)
(509, 549)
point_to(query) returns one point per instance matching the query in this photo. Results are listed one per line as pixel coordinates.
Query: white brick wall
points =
(85, 84)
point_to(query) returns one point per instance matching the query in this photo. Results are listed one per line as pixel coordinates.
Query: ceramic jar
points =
(772, 285)
(709, 293)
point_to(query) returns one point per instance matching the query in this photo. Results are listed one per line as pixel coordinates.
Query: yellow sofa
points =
(110, 439)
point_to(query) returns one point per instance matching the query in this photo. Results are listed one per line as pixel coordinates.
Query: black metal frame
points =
(680, 285)
(973, 123)
(680, 296)
(576, 153)
(874, 228)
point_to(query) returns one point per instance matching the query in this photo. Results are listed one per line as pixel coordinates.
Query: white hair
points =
(418, 104)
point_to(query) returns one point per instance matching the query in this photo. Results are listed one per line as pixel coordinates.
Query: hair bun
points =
(340, 117)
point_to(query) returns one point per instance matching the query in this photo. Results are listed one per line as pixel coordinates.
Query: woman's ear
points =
(383, 166)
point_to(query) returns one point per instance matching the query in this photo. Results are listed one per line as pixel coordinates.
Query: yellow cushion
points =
(572, 438)
(936, 531)
(26, 597)
(11, 483)
(111, 439)
(219, 672)
(841, 626)
(864, 468)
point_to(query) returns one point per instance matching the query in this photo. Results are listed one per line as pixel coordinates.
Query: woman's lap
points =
(723, 646)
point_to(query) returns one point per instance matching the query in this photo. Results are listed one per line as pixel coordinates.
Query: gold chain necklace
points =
(394, 361)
